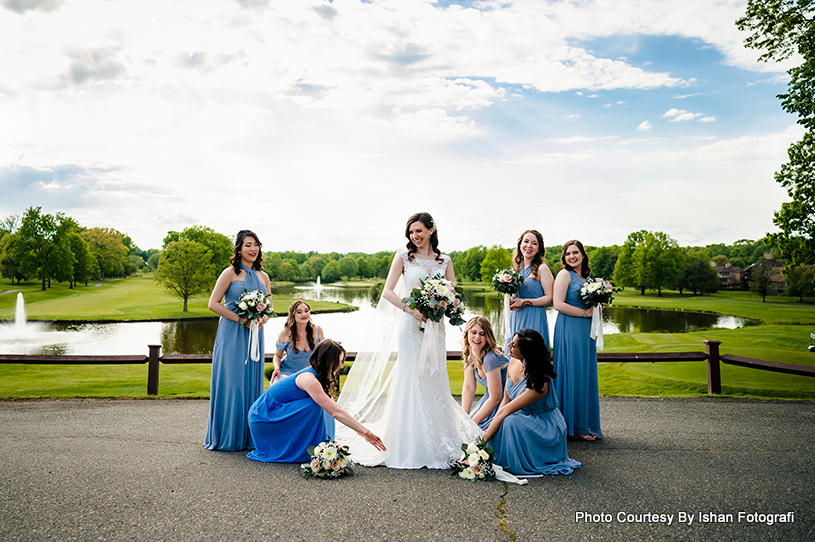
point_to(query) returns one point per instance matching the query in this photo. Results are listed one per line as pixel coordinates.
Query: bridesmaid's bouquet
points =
(507, 281)
(597, 292)
(253, 305)
(328, 460)
(435, 298)
(475, 462)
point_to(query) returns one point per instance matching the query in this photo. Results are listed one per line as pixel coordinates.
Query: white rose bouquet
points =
(475, 462)
(253, 305)
(507, 281)
(328, 460)
(435, 298)
(597, 292)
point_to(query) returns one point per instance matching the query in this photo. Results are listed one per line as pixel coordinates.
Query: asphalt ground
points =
(137, 470)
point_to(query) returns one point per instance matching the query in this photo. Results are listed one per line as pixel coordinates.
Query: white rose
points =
(473, 459)
(484, 455)
(243, 305)
(472, 448)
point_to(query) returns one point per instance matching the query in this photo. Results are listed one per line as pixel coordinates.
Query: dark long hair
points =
(537, 363)
(291, 326)
(584, 268)
(429, 223)
(325, 359)
(537, 260)
(236, 252)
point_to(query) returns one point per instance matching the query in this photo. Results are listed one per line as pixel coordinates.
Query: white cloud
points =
(645, 126)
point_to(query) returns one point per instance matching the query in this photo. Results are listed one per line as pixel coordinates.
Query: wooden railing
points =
(711, 355)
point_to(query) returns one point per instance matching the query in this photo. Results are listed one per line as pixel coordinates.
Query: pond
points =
(197, 336)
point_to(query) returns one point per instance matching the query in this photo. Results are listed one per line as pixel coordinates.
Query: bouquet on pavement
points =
(328, 460)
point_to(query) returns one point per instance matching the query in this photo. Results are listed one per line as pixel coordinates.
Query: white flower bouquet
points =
(328, 460)
(597, 292)
(507, 281)
(435, 298)
(253, 305)
(475, 462)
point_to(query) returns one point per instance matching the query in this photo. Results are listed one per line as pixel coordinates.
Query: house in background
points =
(729, 275)
(778, 283)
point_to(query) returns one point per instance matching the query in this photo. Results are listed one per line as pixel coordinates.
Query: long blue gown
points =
(532, 440)
(491, 361)
(284, 422)
(236, 383)
(575, 360)
(294, 361)
(530, 317)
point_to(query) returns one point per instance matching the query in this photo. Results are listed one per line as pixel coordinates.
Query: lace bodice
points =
(415, 270)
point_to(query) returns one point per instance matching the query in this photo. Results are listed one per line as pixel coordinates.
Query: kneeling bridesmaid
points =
(528, 433)
(289, 418)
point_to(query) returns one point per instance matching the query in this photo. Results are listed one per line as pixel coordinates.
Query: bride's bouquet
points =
(597, 293)
(252, 306)
(435, 298)
(507, 281)
(328, 460)
(475, 462)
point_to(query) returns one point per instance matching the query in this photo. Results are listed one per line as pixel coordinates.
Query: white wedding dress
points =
(414, 413)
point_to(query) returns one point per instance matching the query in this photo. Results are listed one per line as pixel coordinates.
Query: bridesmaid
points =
(289, 418)
(528, 309)
(575, 351)
(484, 364)
(528, 433)
(297, 340)
(236, 382)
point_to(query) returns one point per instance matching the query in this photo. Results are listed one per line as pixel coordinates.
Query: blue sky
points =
(324, 125)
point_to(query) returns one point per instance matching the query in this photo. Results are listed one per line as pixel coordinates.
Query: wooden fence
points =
(711, 355)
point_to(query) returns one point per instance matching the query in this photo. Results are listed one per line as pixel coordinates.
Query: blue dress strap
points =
(493, 361)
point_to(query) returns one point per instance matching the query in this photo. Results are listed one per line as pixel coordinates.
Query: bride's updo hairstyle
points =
(489, 339)
(428, 223)
(537, 260)
(325, 359)
(236, 253)
(537, 363)
(585, 270)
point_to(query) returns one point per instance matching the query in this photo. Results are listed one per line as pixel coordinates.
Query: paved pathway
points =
(136, 470)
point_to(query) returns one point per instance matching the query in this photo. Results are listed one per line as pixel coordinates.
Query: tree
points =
(800, 281)
(698, 275)
(152, 261)
(348, 266)
(185, 268)
(107, 246)
(219, 245)
(41, 246)
(780, 28)
(9, 266)
(603, 260)
(83, 259)
(495, 259)
(650, 260)
(467, 264)
(331, 272)
(759, 281)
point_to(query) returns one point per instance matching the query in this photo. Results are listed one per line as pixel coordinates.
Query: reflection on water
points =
(198, 336)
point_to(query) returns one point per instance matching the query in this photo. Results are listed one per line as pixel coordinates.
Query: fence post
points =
(152, 369)
(714, 375)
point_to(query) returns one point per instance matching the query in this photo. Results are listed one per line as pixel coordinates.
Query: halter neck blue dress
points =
(575, 360)
(491, 361)
(285, 421)
(530, 317)
(532, 440)
(236, 383)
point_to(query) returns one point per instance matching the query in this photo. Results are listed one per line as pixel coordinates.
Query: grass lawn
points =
(130, 299)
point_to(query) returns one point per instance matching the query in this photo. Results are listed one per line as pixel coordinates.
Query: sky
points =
(324, 125)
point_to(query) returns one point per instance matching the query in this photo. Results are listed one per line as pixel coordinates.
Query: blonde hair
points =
(489, 337)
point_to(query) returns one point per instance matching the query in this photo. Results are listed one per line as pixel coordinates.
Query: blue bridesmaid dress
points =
(575, 360)
(236, 383)
(532, 440)
(491, 361)
(294, 361)
(284, 422)
(529, 317)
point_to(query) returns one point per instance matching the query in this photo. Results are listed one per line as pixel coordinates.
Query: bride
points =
(406, 401)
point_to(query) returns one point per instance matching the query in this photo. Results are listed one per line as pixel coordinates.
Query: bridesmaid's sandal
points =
(577, 436)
